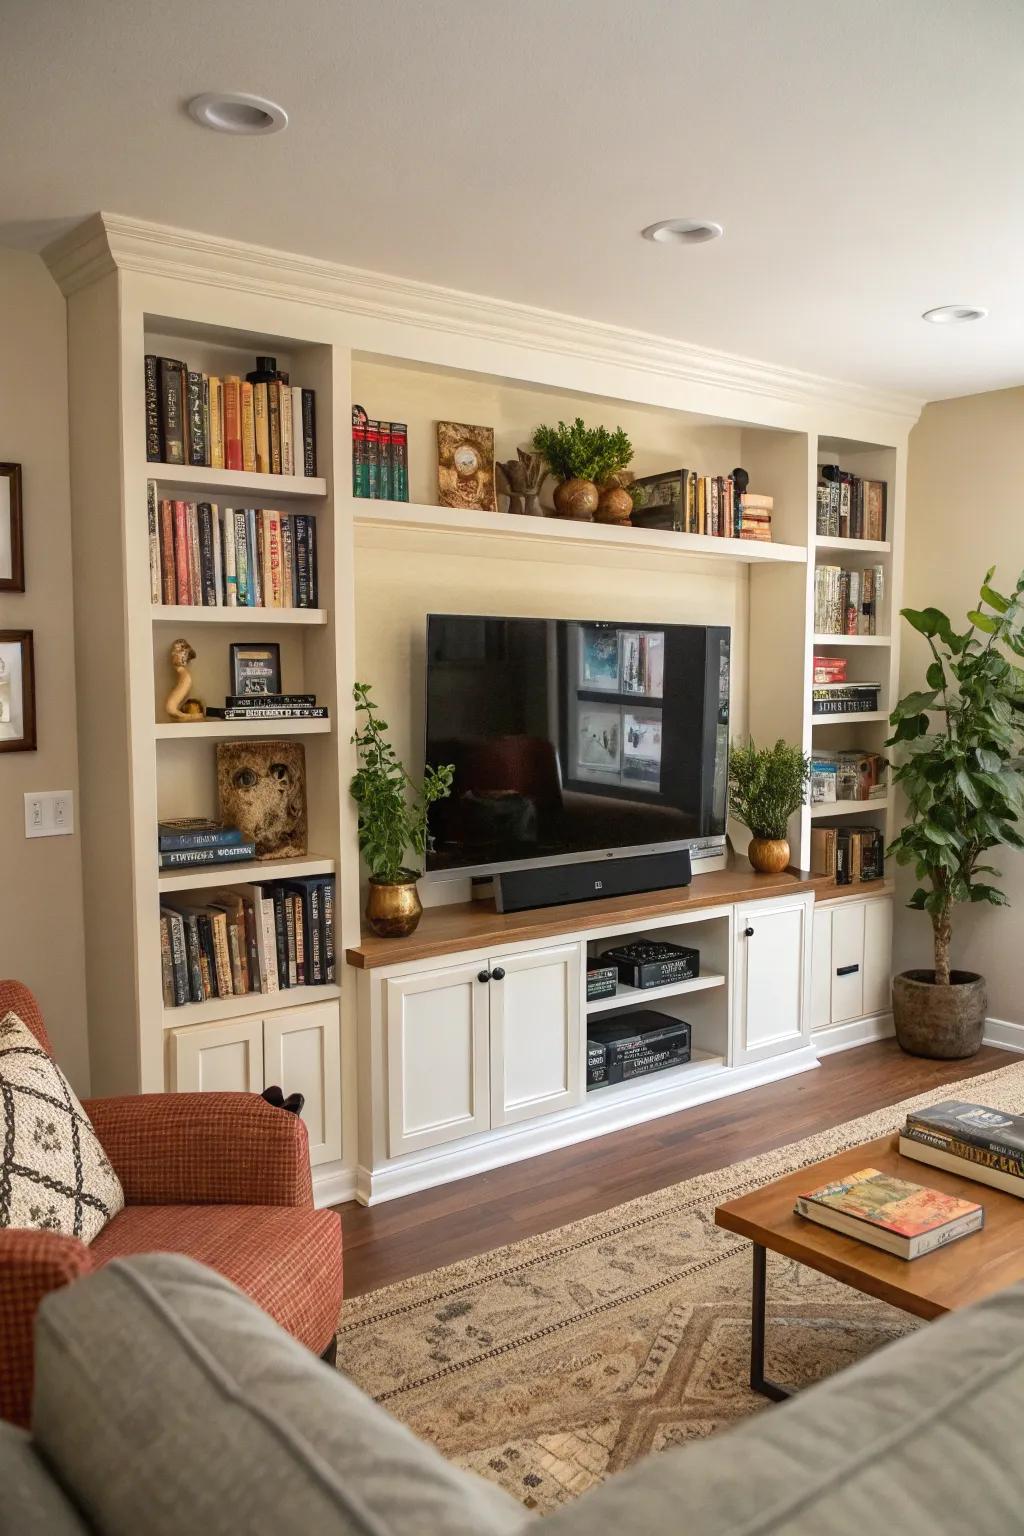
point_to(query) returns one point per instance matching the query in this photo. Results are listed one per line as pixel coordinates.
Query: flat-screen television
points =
(574, 739)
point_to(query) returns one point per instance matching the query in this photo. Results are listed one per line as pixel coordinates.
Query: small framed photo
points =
(12, 556)
(255, 669)
(17, 692)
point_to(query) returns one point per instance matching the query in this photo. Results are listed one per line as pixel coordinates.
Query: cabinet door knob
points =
(498, 973)
(483, 976)
(748, 932)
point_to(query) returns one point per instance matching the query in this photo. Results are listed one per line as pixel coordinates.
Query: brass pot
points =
(943, 1023)
(577, 499)
(615, 505)
(393, 911)
(768, 855)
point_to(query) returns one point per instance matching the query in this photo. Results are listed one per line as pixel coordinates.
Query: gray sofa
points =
(166, 1404)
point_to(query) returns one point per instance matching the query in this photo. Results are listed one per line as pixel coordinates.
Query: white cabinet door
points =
(211, 1058)
(437, 1056)
(536, 1029)
(301, 1054)
(847, 961)
(773, 977)
(821, 969)
(878, 955)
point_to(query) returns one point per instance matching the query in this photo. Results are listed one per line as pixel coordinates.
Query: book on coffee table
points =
(904, 1219)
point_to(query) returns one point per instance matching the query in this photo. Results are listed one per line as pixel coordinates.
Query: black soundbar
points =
(555, 884)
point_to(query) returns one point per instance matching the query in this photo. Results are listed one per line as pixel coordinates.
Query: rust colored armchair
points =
(221, 1177)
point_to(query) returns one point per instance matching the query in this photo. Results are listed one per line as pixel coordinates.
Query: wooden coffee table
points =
(967, 1270)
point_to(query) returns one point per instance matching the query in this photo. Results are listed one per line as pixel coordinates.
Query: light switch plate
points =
(49, 813)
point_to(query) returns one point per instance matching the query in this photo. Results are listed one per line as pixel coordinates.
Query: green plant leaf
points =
(982, 621)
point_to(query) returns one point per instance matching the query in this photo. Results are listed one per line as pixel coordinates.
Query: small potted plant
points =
(962, 773)
(766, 786)
(393, 814)
(582, 458)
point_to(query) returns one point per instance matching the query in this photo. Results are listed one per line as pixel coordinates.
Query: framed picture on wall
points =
(12, 559)
(17, 692)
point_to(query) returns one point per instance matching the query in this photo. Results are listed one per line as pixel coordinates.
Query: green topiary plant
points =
(766, 785)
(583, 453)
(961, 768)
(392, 810)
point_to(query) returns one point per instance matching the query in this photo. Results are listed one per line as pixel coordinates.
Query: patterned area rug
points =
(551, 1363)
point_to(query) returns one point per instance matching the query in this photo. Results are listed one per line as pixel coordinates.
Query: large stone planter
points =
(945, 1023)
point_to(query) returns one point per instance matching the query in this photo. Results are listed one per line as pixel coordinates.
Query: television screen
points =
(571, 738)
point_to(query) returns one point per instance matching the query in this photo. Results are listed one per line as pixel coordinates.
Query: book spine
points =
(314, 573)
(216, 423)
(384, 460)
(261, 424)
(232, 422)
(269, 951)
(316, 962)
(285, 419)
(238, 712)
(227, 541)
(274, 416)
(275, 561)
(235, 952)
(253, 525)
(166, 968)
(248, 429)
(330, 968)
(218, 558)
(167, 564)
(179, 960)
(181, 553)
(399, 461)
(360, 461)
(287, 562)
(288, 906)
(302, 561)
(194, 414)
(153, 530)
(172, 407)
(968, 1137)
(298, 455)
(278, 700)
(192, 948)
(195, 579)
(207, 577)
(280, 936)
(300, 943)
(186, 842)
(309, 432)
(154, 438)
(184, 858)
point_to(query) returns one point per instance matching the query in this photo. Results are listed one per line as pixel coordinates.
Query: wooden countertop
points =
(468, 925)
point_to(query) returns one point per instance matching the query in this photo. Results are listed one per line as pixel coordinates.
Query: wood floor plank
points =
(404, 1237)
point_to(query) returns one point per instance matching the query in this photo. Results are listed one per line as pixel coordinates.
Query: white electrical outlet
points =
(50, 813)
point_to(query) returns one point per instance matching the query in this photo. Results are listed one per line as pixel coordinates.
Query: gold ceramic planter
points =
(393, 911)
(768, 855)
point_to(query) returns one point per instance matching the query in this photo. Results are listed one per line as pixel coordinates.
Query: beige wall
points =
(41, 939)
(963, 515)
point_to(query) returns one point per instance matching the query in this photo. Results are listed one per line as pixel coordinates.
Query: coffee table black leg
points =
(758, 1380)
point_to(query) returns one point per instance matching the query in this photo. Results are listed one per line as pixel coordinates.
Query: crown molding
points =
(108, 242)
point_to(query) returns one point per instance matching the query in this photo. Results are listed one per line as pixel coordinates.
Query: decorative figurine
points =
(179, 706)
(522, 481)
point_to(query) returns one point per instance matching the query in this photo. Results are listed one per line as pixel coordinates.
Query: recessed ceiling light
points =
(954, 314)
(236, 112)
(683, 231)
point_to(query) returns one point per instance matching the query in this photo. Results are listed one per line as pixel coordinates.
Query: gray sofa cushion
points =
(920, 1438)
(171, 1404)
(31, 1502)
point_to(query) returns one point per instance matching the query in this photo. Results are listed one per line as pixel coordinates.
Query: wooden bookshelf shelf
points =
(849, 808)
(853, 546)
(217, 1008)
(221, 730)
(236, 482)
(206, 875)
(188, 613)
(879, 640)
(566, 540)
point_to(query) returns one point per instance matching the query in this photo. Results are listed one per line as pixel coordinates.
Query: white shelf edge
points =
(217, 1008)
(701, 1064)
(226, 730)
(553, 531)
(884, 640)
(849, 807)
(858, 717)
(240, 481)
(625, 995)
(206, 875)
(187, 613)
(865, 546)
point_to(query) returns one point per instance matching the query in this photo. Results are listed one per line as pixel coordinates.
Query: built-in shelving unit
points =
(175, 613)
(206, 876)
(235, 730)
(702, 1064)
(635, 997)
(849, 807)
(243, 486)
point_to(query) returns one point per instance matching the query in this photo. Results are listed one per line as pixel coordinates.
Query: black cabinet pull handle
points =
(483, 976)
(498, 973)
(748, 933)
(846, 970)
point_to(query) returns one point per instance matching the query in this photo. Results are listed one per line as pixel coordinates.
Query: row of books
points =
(259, 938)
(203, 555)
(848, 854)
(192, 842)
(687, 502)
(380, 458)
(847, 602)
(970, 1140)
(268, 706)
(831, 699)
(262, 423)
(851, 774)
(849, 507)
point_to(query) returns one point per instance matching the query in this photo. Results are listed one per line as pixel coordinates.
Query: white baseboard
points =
(416, 1171)
(1008, 1037)
(333, 1185)
(843, 1037)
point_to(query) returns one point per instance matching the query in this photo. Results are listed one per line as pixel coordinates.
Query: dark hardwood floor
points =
(404, 1237)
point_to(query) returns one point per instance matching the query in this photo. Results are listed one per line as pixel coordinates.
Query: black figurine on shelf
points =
(740, 482)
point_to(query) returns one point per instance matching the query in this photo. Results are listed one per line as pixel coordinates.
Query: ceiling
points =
(864, 157)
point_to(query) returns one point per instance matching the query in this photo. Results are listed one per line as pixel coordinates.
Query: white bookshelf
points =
(247, 488)
(230, 730)
(255, 618)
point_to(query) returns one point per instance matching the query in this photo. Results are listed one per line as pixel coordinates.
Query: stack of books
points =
(845, 698)
(755, 520)
(968, 1139)
(250, 938)
(848, 775)
(849, 507)
(380, 458)
(686, 502)
(893, 1214)
(263, 424)
(848, 854)
(847, 602)
(268, 706)
(204, 555)
(191, 842)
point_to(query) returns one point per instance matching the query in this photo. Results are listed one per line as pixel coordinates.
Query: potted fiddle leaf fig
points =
(959, 741)
(766, 786)
(393, 813)
(582, 458)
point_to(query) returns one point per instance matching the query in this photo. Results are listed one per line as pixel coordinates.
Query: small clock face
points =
(466, 459)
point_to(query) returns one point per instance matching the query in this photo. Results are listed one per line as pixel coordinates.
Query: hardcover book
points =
(991, 1128)
(172, 409)
(184, 832)
(901, 1218)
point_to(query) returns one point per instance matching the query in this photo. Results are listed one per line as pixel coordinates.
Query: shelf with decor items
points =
(249, 1002)
(225, 730)
(849, 807)
(187, 613)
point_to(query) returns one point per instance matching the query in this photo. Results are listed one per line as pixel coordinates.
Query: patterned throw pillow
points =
(53, 1172)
